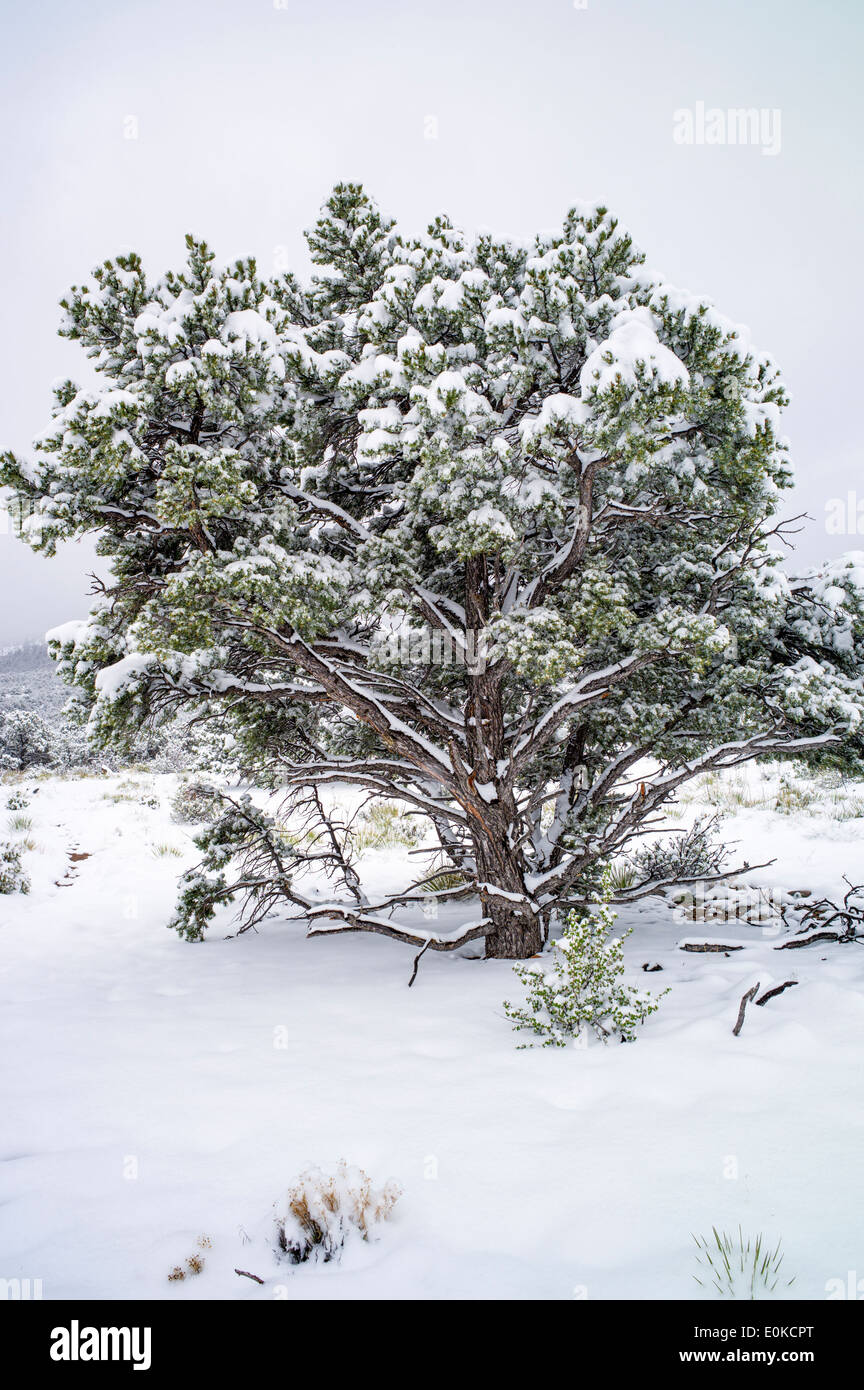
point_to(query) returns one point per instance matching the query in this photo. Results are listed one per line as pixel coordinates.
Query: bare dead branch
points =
(778, 989)
(809, 940)
(709, 946)
(417, 963)
(745, 1000)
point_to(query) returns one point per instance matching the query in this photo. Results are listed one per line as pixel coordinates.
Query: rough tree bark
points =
(517, 930)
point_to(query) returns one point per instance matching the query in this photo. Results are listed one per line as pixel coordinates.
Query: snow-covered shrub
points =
(735, 1267)
(18, 801)
(243, 834)
(25, 740)
(45, 736)
(691, 854)
(13, 877)
(193, 803)
(322, 1210)
(170, 747)
(584, 988)
(72, 749)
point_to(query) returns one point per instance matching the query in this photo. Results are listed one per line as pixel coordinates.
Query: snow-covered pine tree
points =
(542, 462)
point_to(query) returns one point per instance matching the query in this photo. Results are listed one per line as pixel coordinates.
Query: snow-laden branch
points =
(346, 920)
(592, 687)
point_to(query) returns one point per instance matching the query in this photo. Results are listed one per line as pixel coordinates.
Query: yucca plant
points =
(384, 825)
(739, 1268)
(441, 882)
(163, 850)
(621, 877)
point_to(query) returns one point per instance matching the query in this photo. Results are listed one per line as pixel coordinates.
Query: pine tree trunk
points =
(517, 931)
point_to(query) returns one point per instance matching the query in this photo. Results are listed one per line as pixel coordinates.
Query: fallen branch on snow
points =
(745, 1000)
(809, 940)
(709, 946)
(778, 989)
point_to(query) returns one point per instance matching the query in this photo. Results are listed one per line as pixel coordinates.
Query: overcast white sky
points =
(248, 111)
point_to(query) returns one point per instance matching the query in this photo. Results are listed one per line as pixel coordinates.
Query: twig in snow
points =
(745, 1000)
(417, 962)
(246, 1275)
(778, 989)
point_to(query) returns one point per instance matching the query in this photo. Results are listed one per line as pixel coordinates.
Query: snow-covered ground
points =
(156, 1092)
